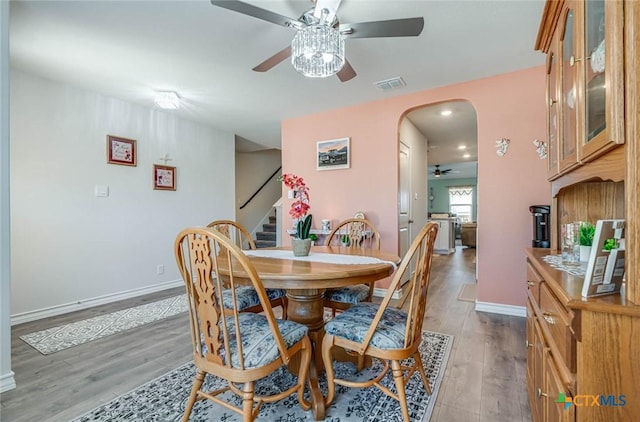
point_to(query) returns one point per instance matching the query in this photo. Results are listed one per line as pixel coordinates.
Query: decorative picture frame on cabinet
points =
(605, 268)
(333, 154)
(121, 151)
(164, 177)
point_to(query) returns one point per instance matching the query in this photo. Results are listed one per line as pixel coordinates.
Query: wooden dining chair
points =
(386, 332)
(352, 233)
(246, 294)
(239, 347)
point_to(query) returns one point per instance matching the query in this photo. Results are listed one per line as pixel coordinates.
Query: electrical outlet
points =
(160, 269)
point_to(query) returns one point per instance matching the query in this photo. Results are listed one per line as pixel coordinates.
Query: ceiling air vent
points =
(387, 84)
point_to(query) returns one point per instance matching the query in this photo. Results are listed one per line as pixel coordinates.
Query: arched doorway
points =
(445, 135)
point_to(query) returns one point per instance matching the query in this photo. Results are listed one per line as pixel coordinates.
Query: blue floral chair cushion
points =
(350, 294)
(258, 343)
(354, 323)
(247, 297)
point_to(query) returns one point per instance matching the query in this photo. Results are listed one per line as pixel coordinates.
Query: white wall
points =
(69, 246)
(7, 380)
(252, 169)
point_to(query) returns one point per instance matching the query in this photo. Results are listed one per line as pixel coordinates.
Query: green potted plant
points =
(344, 240)
(587, 231)
(301, 244)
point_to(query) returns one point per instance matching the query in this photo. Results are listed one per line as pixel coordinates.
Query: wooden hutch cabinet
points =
(583, 354)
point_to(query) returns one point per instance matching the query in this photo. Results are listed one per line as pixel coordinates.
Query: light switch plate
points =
(102, 191)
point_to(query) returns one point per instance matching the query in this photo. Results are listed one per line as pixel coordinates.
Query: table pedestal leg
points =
(306, 307)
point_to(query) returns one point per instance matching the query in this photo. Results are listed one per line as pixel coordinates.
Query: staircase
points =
(267, 237)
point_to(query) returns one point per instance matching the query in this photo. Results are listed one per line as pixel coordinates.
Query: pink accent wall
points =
(509, 106)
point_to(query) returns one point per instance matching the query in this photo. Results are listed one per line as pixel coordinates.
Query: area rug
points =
(59, 338)
(164, 398)
(468, 292)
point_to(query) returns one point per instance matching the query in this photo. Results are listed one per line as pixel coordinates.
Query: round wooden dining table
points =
(306, 281)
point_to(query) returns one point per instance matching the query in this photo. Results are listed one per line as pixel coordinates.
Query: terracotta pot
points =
(301, 247)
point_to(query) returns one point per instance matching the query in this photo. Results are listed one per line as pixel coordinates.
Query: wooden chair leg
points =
(197, 383)
(398, 377)
(423, 374)
(247, 401)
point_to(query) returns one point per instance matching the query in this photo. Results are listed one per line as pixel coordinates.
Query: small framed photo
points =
(333, 154)
(121, 151)
(164, 177)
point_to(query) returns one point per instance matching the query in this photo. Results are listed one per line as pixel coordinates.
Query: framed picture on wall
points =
(333, 154)
(164, 177)
(121, 151)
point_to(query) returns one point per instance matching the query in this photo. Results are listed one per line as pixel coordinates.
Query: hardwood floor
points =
(484, 379)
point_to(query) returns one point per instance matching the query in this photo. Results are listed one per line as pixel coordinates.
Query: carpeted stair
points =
(267, 237)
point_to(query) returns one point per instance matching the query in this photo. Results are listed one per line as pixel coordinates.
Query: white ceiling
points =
(131, 49)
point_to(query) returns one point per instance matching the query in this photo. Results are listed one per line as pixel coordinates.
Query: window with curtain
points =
(461, 202)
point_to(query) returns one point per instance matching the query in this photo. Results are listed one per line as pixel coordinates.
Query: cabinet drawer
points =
(557, 321)
(533, 281)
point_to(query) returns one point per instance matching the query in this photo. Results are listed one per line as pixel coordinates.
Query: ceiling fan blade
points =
(409, 27)
(346, 73)
(256, 12)
(273, 60)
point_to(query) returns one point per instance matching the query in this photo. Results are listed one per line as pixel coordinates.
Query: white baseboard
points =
(7, 382)
(88, 303)
(499, 308)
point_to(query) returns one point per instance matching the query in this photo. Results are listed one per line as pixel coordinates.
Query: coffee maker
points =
(541, 224)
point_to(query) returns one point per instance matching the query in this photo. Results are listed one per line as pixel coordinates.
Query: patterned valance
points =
(461, 190)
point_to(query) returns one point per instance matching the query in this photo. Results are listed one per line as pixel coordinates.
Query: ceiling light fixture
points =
(445, 113)
(167, 100)
(317, 50)
(462, 147)
(466, 156)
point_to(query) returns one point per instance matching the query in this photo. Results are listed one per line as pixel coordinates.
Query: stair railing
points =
(261, 187)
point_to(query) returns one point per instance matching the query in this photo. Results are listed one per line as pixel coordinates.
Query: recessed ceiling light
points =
(167, 100)
(445, 113)
(466, 156)
(462, 147)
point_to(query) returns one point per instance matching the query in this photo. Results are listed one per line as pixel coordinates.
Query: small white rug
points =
(59, 338)
(164, 398)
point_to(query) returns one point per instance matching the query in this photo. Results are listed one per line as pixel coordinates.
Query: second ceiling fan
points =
(318, 47)
(437, 172)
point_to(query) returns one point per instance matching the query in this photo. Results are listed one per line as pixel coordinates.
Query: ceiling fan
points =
(437, 172)
(309, 52)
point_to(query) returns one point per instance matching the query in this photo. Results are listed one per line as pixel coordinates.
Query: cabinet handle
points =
(573, 60)
(530, 283)
(548, 317)
(539, 393)
(526, 342)
(552, 102)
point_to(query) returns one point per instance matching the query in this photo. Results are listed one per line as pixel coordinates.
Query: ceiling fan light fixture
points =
(317, 51)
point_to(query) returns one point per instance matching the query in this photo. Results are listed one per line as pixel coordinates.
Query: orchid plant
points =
(300, 207)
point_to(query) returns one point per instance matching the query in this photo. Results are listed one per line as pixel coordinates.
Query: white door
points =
(404, 199)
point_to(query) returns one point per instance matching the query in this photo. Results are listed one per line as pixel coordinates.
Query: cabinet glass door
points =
(601, 78)
(594, 43)
(553, 118)
(568, 90)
